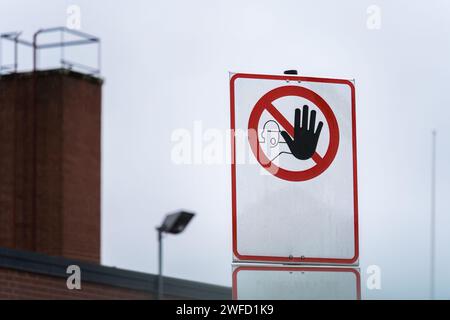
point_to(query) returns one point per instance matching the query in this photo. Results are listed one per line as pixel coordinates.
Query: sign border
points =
(305, 260)
(287, 268)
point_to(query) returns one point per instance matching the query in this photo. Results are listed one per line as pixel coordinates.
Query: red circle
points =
(333, 128)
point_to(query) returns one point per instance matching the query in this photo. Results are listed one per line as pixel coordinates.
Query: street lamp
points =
(173, 223)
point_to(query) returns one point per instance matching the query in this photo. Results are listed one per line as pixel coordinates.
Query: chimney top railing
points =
(81, 38)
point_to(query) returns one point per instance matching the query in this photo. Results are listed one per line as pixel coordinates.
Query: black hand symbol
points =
(305, 139)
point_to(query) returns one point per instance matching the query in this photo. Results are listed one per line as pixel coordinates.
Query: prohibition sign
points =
(265, 103)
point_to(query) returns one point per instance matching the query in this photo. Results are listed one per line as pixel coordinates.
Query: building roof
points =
(56, 266)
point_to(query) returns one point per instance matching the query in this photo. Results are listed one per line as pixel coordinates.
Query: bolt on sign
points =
(293, 171)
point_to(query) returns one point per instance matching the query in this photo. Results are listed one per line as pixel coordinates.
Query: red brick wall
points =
(49, 150)
(50, 193)
(6, 166)
(24, 285)
(81, 169)
(16, 227)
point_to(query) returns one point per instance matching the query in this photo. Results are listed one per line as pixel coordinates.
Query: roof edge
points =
(58, 71)
(56, 266)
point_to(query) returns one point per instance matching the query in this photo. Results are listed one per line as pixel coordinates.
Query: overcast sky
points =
(166, 65)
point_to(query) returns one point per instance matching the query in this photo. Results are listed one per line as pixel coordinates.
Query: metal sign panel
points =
(296, 283)
(294, 183)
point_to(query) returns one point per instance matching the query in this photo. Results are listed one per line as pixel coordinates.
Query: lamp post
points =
(160, 280)
(433, 218)
(174, 223)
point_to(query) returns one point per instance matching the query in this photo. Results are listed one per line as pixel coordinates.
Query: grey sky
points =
(166, 65)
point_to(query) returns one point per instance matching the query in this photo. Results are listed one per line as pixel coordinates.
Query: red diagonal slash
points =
(287, 126)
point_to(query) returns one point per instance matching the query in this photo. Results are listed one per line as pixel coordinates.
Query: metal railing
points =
(81, 39)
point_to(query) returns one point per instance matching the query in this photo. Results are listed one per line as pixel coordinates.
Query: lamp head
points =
(176, 222)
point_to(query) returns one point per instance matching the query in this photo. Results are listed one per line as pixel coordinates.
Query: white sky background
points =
(166, 65)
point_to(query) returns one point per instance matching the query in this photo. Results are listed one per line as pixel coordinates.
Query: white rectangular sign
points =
(294, 183)
(296, 283)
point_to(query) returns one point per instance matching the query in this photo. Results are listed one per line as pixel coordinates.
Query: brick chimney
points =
(50, 127)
